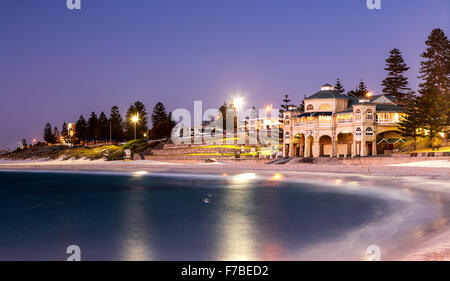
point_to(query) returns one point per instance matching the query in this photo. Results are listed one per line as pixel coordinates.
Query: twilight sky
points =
(56, 64)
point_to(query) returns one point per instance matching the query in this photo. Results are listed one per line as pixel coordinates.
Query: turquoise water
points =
(130, 217)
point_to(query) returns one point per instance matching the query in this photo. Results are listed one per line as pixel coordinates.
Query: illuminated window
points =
(344, 118)
(310, 107)
(369, 114)
(325, 107)
(358, 114)
(325, 120)
(299, 121)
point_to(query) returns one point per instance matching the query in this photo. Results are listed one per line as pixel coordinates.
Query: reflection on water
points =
(236, 230)
(142, 217)
(136, 221)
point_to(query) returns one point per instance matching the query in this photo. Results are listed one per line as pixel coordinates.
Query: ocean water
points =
(150, 217)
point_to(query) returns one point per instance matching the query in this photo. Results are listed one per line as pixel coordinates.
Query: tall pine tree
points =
(48, 134)
(56, 135)
(162, 124)
(339, 87)
(434, 97)
(116, 123)
(360, 90)
(64, 131)
(81, 132)
(285, 105)
(103, 127)
(92, 127)
(138, 108)
(411, 125)
(159, 113)
(396, 84)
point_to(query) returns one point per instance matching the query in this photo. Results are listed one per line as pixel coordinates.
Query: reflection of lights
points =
(140, 173)
(277, 176)
(135, 240)
(225, 175)
(236, 230)
(338, 181)
(244, 177)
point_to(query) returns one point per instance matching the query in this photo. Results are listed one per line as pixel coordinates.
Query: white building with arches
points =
(336, 125)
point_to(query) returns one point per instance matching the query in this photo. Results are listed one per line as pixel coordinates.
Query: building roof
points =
(347, 110)
(315, 113)
(391, 140)
(389, 108)
(375, 97)
(327, 94)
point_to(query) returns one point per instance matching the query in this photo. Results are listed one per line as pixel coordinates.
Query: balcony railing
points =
(386, 121)
(344, 121)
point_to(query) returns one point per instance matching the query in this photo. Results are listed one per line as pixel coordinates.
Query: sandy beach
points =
(429, 179)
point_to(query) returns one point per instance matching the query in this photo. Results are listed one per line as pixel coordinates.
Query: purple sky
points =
(56, 64)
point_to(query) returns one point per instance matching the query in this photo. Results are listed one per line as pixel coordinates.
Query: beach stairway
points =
(281, 161)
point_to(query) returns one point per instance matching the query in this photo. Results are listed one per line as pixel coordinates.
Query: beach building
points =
(337, 125)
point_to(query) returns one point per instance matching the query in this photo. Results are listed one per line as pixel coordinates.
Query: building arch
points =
(325, 144)
(369, 114)
(344, 143)
(358, 114)
(310, 107)
(388, 140)
(369, 131)
(383, 129)
(299, 145)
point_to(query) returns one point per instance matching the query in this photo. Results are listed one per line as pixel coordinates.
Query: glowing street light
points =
(369, 94)
(135, 119)
(268, 109)
(238, 102)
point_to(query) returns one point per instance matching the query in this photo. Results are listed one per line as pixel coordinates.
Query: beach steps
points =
(281, 161)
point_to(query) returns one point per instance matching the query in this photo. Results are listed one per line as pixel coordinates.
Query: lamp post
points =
(135, 119)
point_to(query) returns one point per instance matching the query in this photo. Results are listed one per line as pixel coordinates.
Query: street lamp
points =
(135, 119)
(238, 102)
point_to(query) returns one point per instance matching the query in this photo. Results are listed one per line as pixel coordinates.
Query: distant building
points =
(71, 129)
(3, 151)
(260, 125)
(340, 125)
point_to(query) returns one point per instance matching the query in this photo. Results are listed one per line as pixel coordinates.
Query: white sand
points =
(430, 164)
